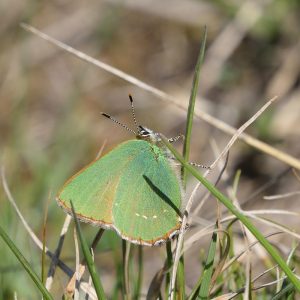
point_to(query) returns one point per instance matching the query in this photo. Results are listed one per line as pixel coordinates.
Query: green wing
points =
(132, 189)
(92, 190)
(147, 202)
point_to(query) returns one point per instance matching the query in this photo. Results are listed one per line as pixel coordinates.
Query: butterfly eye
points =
(143, 132)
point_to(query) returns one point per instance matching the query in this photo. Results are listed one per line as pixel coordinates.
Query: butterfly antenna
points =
(116, 121)
(133, 112)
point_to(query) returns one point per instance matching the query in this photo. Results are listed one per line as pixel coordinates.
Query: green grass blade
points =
(208, 269)
(26, 265)
(89, 260)
(202, 287)
(224, 256)
(190, 114)
(180, 281)
(229, 205)
(284, 292)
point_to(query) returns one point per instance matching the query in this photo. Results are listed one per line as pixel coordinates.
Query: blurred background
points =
(50, 105)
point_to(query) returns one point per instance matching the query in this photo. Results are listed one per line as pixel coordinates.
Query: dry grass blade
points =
(288, 159)
(71, 284)
(221, 172)
(282, 196)
(77, 266)
(264, 273)
(55, 258)
(268, 184)
(242, 129)
(225, 296)
(90, 282)
(96, 62)
(197, 237)
(24, 222)
(89, 257)
(272, 212)
(247, 292)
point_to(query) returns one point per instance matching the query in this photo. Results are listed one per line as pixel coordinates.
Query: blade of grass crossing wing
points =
(230, 206)
(89, 260)
(26, 265)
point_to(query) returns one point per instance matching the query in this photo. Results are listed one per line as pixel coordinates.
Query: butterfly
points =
(135, 189)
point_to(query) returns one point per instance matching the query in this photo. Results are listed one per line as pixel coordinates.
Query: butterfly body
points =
(133, 189)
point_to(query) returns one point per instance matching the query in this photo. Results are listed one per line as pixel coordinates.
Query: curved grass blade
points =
(156, 282)
(25, 264)
(89, 260)
(229, 205)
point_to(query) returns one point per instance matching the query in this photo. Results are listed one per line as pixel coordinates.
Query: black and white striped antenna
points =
(133, 112)
(121, 124)
(118, 122)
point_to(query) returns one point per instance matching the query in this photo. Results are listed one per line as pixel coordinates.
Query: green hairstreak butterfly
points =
(134, 189)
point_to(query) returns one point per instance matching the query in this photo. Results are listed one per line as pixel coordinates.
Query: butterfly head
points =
(147, 135)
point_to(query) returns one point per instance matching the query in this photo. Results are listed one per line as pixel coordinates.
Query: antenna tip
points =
(105, 115)
(130, 98)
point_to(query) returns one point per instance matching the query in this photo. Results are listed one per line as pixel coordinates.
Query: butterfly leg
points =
(199, 165)
(176, 138)
(192, 164)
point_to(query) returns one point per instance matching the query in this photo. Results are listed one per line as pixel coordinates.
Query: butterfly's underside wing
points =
(133, 189)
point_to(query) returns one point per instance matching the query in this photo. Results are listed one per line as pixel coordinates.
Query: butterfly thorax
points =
(154, 138)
